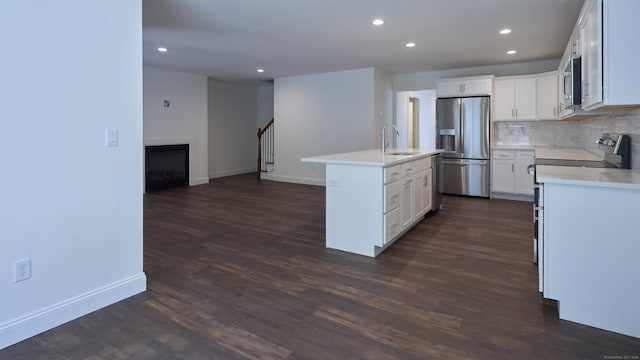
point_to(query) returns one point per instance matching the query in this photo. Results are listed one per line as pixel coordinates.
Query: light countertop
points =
(566, 154)
(372, 157)
(513, 147)
(610, 178)
(552, 152)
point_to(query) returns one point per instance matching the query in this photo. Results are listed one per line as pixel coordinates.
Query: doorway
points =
(413, 130)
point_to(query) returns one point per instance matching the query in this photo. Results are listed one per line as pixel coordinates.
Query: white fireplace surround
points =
(191, 141)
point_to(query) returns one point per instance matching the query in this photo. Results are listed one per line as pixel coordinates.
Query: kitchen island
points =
(372, 198)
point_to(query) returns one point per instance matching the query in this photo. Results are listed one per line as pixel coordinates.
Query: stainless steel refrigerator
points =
(462, 130)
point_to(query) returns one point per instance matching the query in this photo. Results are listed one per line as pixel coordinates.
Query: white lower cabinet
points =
(369, 207)
(413, 191)
(509, 174)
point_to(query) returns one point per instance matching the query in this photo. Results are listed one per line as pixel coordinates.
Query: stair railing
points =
(265, 148)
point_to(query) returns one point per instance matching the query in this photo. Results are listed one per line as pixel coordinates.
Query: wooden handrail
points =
(260, 132)
(268, 147)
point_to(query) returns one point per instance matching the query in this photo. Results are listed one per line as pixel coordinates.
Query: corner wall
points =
(233, 116)
(323, 114)
(184, 121)
(70, 70)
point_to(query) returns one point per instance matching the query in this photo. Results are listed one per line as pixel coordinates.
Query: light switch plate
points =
(111, 137)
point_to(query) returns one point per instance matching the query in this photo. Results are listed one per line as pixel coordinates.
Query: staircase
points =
(265, 152)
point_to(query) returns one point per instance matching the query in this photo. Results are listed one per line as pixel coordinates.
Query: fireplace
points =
(166, 166)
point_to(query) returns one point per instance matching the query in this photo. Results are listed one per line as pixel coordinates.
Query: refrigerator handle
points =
(462, 129)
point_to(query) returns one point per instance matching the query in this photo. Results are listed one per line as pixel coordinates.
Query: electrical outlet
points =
(22, 270)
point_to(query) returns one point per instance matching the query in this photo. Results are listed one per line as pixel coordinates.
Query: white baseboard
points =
(32, 324)
(299, 180)
(223, 173)
(505, 196)
(199, 181)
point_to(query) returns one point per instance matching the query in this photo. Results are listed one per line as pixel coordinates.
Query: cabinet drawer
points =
(408, 169)
(392, 225)
(391, 174)
(422, 164)
(504, 154)
(391, 196)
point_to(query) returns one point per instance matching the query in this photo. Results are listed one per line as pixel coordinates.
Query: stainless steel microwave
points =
(572, 92)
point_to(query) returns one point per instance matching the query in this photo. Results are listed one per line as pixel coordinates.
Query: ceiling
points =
(229, 40)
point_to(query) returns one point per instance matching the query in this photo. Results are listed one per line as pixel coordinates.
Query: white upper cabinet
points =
(547, 96)
(609, 32)
(591, 52)
(473, 86)
(515, 98)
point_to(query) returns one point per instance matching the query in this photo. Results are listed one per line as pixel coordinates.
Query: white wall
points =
(233, 112)
(427, 110)
(323, 114)
(426, 118)
(70, 69)
(265, 105)
(184, 121)
(427, 80)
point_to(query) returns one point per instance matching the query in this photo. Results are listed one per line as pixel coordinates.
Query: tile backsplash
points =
(576, 134)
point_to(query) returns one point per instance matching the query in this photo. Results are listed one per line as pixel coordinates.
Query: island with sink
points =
(374, 197)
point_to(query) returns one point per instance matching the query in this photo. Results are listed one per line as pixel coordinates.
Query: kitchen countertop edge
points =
(372, 157)
(598, 177)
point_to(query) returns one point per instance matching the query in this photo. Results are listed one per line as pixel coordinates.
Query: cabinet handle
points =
(554, 111)
(516, 112)
(511, 167)
(585, 90)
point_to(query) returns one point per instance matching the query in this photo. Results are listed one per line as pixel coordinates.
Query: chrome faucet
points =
(384, 137)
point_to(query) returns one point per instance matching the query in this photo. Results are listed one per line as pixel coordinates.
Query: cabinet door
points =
(418, 207)
(476, 87)
(504, 99)
(406, 192)
(590, 34)
(524, 181)
(391, 196)
(427, 191)
(503, 176)
(446, 88)
(525, 99)
(392, 225)
(547, 96)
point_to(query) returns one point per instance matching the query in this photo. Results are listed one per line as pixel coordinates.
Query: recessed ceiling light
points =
(505, 31)
(410, 45)
(162, 49)
(260, 70)
(511, 52)
(377, 22)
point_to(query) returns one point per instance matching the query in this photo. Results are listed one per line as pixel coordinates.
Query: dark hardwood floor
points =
(240, 271)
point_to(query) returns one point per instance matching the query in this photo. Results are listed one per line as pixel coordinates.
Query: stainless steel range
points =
(617, 154)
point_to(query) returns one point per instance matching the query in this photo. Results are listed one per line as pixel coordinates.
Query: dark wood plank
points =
(239, 270)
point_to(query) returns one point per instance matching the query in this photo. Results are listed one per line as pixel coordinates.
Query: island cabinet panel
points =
(355, 208)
